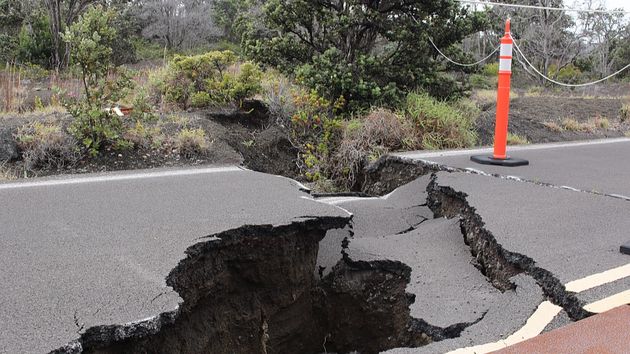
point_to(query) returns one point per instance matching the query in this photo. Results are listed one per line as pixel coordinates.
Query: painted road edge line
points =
(535, 324)
(595, 280)
(424, 155)
(609, 303)
(120, 177)
(546, 311)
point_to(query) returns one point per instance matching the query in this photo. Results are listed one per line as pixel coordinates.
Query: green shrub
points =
(567, 74)
(46, 146)
(144, 136)
(439, 125)
(624, 112)
(479, 81)
(91, 39)
(191, 142)
(491, 69)
(210, 73)
(314, 131)
(200, 99)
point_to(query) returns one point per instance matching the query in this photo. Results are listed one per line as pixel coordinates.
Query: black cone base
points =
(625, 248)
(489, 160)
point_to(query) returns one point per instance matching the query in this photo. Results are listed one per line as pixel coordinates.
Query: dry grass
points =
(12, 91)
(571, 124)
(553, 126)
(601, 122)
(6, 173)
(515, 139)
(47, 145)
(624, 112)
(191, 142)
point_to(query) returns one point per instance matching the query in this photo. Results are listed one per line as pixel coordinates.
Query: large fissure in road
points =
(497, 263)
(254, 290)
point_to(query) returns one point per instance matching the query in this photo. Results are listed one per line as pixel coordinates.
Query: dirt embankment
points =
(552, 119)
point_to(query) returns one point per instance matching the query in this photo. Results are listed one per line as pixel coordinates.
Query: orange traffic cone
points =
(500, 156)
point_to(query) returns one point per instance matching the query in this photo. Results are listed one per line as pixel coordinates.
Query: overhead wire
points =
(520, 52)
(539, 7)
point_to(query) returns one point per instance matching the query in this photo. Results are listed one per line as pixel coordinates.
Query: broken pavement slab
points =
(78, 252)
(599, 166)
(570, 234)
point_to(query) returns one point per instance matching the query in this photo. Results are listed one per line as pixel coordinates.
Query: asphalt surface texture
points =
(448, 289)
(95, 250)
(571, 234)
(597, 166)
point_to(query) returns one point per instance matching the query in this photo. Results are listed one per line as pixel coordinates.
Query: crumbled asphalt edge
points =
(390, 172)
(358, 306)
(98, 337)
(497, 263)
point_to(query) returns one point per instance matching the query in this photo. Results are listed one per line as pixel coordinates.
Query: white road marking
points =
(595, 280)
(546, 311)
(609, 303)
(119, 177)
(536, 323)
(433, 154)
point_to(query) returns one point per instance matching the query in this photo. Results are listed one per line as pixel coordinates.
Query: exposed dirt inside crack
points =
(492, 259)
(254, 289)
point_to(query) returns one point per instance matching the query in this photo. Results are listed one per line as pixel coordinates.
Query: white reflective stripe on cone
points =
(505, 65)
(506, 50)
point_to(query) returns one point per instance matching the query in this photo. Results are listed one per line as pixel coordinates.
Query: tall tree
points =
(178, 23)
(368, 51)
(63, 13)
(549, 38)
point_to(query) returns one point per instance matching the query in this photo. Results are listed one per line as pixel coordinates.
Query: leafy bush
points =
(188, 76)
(200, 99)
(46, 146)
(491, 70)
(191, 142)
(567, 74)
(479, 81)
(314, 131)
(91, 39)
(439, 125)
(371, 56)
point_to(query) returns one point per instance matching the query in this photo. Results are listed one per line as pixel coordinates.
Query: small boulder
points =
(8, 145)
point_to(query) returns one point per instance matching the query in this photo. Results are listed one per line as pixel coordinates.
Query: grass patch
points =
(553, 126)
(191, 143)
(601, 122)
(515, 139)
(624, 112)
(439, 125)
(571, 124)
(47, 145)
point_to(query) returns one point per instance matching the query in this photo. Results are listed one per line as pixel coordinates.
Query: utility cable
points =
(520, 52)
(537, 7)
(463, 64)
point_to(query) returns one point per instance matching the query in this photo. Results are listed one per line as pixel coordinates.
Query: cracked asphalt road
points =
(601, 166)
(95, 250)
